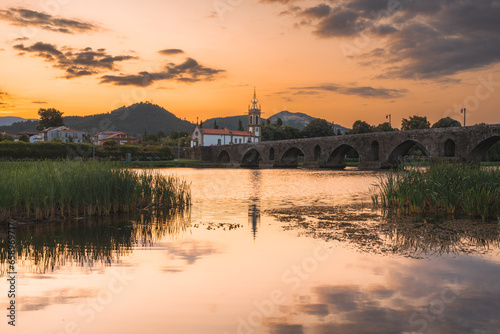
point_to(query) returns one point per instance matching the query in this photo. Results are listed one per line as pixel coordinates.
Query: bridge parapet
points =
(375, 150)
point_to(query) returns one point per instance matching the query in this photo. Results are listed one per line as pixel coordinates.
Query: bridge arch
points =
(251, 158)
(337, 157)
(317, 152)
(223, 157)
(449, 148)
(292, 157)
(478, 152)
(403, 149)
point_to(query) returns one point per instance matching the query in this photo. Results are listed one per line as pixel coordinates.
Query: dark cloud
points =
(425, 39)
(317, 12)
(188, 72)
(169, 52)
(39, 102)
(25, 17)
(76, 63)
(363, 91)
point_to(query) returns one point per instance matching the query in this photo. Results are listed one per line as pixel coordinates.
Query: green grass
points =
(449, 188)
(46, 190)
(169, 164)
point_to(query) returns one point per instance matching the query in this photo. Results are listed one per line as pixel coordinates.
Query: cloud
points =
(426, 39)
(169, 52)
(188, 72)
(39, 102)
(317, 12)
(76, 63)
(363, 91)
(25, 17)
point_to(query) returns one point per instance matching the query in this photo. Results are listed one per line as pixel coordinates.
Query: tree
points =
(240, 125)
(415, 123)
(339, 133)
(150, 138)
(268, 121)
(361, 127)
(110, 144)
(384, 127)
(201, 124)
(446, 122)
(161, 134)
(318, 128)
(178, 134)
(279, 121)
(49, 118)
(216, 126)
(24, 138)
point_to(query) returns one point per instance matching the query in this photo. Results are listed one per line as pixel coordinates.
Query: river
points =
(260, 251)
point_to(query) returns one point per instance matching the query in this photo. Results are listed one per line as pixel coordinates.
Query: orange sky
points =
(339, 60)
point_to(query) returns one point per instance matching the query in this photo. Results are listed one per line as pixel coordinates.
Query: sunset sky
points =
(338, 60)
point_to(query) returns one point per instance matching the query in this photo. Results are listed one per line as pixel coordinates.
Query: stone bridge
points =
(375, 150)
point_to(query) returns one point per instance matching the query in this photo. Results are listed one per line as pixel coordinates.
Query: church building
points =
(211, 137)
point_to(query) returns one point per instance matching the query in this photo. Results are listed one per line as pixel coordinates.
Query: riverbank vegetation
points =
(10, 151)
(54, 190)
(452, 189)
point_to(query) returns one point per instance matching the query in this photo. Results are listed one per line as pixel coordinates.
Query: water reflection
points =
(42, 247)
(370, 230)
(415, 298)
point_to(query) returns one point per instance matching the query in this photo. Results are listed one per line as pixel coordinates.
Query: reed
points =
(449, 188)
(46, 190)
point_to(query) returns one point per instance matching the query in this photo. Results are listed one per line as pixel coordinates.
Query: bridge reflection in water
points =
(375, 150)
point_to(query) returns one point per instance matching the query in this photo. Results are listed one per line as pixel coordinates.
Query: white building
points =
(210, 137)
(64, 133)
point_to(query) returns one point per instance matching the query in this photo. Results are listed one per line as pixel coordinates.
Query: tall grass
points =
(46, 190)
(442, 187)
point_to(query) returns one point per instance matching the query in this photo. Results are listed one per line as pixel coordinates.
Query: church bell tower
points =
(254, 118)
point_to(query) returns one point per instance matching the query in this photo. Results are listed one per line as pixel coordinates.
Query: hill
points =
(134, 120)
(297, 120)
(19, 127)
(9, 120)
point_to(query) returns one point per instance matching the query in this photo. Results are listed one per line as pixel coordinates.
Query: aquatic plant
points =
(47, 189)
(449, 188)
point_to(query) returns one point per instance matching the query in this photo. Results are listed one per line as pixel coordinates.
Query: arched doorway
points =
(317, 152)
(271, 153)
(449, 148)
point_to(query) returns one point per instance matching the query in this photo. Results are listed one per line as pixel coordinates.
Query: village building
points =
(117, 136)
(211, 137)
(63, 133)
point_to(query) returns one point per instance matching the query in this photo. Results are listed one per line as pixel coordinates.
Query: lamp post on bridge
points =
(463, 111)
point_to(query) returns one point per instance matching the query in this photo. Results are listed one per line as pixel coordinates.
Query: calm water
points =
(238, 263)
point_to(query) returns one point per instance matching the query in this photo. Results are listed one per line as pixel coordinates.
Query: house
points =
(119, 137)
(209, 137)
(64, 133)
(34, 137)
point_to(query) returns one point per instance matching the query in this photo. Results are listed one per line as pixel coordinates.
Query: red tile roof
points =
(71, 130)
(225, 131)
